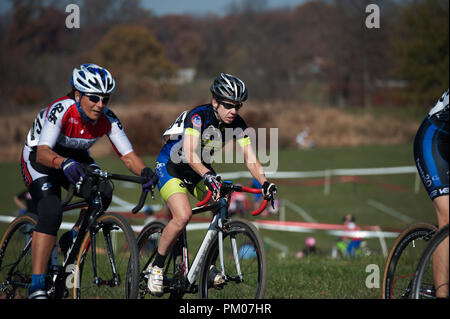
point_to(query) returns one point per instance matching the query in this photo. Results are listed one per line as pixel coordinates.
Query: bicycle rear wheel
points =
(403, 258)
(108, 261)
(241, 240)
(423, 282)
(15, 257)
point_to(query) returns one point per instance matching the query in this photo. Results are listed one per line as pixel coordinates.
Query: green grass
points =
(316, 276)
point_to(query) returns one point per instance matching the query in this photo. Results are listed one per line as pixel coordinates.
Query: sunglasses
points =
(96, 98)
(229, 106)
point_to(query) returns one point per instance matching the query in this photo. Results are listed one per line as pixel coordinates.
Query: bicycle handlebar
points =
(127, 178)
(106, 175)
(243, 189)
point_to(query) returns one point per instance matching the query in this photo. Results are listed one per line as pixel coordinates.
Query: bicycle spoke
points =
(110, 267)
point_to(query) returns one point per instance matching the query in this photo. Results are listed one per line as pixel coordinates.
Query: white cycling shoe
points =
(155, 280)
(215, 276)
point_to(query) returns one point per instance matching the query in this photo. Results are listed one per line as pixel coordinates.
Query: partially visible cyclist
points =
(184, 163)
(56, 147)
(431, 158)
(24, 202)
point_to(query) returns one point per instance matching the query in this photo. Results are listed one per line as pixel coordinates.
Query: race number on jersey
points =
(176, 128)
(441, 105)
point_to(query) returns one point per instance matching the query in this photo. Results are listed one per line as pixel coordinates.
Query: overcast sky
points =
(197, 7)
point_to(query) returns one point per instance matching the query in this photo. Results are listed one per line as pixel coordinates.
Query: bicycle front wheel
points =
(403, 258)
(245, 264)
(108, 261)
(15, 257)
(423, 286)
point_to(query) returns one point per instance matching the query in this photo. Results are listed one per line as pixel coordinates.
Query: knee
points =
(50, 215)
(441, 205)
(182, 219)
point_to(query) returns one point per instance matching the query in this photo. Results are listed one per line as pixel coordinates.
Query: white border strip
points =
(390, 211)
(331, 172)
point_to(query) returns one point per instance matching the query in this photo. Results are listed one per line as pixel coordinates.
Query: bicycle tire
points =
(409, 235)
(437, 239)
(252, 261)
(125, 245)
(148, 241)
(12, 245)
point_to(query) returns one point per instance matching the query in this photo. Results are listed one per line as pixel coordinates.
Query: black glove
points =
(73, 170)
(269, 190)
(151, 177)
(212, 182)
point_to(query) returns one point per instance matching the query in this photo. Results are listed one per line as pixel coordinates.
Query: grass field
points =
(317, 276)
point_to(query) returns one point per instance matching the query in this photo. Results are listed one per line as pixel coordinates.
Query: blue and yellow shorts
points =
(177, 178)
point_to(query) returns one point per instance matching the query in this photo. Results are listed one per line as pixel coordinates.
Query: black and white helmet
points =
(91, 78)
(229, 87)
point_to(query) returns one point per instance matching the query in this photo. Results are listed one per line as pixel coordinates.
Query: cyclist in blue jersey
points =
(431, 158)
(184, 163)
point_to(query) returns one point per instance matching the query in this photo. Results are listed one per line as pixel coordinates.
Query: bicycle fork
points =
(115, 281)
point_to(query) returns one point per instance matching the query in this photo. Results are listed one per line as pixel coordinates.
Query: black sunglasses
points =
(95, 98)
(229, 106)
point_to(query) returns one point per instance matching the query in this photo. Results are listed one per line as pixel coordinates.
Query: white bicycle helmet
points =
(91, 78)
(229, 87)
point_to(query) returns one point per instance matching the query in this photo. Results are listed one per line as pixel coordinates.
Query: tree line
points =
(319, 52)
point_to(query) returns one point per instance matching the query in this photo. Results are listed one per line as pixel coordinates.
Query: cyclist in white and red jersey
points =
(57, 147)
(184, 163)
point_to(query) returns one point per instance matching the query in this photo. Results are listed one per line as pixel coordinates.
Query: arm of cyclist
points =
(71, 168)
(47, 157)
(255, 168)
(190, 144)
(135, 165)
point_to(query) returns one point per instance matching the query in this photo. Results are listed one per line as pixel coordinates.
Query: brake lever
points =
(78, 184)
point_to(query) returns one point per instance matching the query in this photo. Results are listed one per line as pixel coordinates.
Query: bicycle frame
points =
(95, 209)
(87, 222)
(215, 227)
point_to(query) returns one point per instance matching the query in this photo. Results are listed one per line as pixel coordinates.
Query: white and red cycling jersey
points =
(62, 124)
(61, 127)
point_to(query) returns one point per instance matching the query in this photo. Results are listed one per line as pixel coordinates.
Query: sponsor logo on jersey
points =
(46, 186)
(196, 120)
(73, 121)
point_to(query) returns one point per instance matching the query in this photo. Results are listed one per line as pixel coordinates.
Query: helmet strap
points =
(217, 113)
(215, 110)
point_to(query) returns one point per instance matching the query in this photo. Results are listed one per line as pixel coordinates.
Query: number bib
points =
(176, 128)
